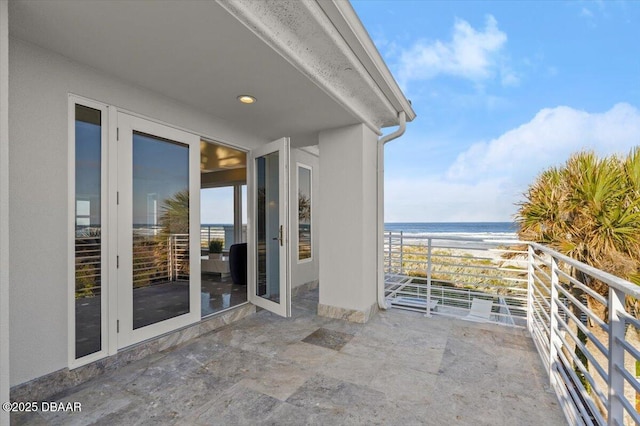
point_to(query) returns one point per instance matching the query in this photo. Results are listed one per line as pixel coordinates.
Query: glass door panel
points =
(158, 235)
(268, 227)
(268, 260)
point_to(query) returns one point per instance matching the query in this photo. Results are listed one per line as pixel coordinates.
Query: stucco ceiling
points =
(194, 52)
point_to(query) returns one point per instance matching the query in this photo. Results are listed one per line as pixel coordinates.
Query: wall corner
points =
(4, 208)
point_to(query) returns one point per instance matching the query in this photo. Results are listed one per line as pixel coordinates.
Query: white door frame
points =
(126, 335)
(284, 307)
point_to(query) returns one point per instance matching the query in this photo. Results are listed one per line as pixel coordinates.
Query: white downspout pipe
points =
(402, 118)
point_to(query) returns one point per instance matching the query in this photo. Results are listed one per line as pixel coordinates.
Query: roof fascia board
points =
(355, 34)
(303, 34)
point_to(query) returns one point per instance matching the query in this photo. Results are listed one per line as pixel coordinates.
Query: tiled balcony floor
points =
(398, 369)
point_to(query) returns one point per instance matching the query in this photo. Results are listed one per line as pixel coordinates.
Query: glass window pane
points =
(244, 213)
(268, 227)
(304, 213)
(160, 229)
(216, 215)
(88, 238)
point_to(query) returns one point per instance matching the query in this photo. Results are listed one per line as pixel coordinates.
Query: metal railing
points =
(178, 261)
(225, 233)
(88, 265)
(583, 321)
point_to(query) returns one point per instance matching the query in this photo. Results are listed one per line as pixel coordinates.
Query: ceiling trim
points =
(306, 35)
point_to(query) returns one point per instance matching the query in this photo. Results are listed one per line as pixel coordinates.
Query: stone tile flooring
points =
(398, 369)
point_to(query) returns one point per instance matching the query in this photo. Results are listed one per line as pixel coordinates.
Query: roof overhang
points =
(310, 64)
(327, 42)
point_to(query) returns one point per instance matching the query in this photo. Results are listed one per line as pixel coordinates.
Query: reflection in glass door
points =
(268, 242)
(268, 229)
(158, 227)
(160, 206)
(89, 298)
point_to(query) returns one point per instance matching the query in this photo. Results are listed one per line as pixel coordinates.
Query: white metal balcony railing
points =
(589, 343)
(225, 233)
(153, 262)
(88, 261)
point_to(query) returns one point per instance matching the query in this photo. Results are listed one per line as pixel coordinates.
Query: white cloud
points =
(436, 199)
(586, 13)
(548, 139)
(471, 54)
(485, 181)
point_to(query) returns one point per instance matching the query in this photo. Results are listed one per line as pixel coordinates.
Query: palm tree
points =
(304, 207)
(174, 221)
(588, 209)
(151, 253)
(175, 213)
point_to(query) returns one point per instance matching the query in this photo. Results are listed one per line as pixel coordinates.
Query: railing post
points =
(429, 264)
(530, 272)
(616, 357)
(401, 253)
(553, 327)
(169, 259)
(390, 252)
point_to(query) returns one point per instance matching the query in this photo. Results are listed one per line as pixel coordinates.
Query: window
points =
(88, 143)
(304, 213)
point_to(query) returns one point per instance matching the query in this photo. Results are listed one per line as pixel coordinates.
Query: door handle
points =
(279, 237)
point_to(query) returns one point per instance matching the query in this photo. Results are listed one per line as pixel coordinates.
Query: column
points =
(348, 223)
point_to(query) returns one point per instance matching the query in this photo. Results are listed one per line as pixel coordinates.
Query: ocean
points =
(495, 230)
(458, 229)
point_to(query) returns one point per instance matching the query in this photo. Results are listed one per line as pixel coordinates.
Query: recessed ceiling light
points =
(247, 99)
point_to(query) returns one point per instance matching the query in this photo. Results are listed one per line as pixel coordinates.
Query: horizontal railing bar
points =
(546, 315)
(539, 258)
(441, 237)
(475, 285)
(445, 255)
(584, 288)
(541, 297)
(545, 327)
(538, 294)
(628, 377)
(634, 321)
(632, 351)
(583, 348)
(586, 309)
(615, 282)
(585, 371)
(572, 389)
(463, 274)
(629, 408)
(541, 272)
(584, 329)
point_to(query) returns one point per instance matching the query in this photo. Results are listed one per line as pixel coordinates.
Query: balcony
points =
(588, 343)
(539, 354)
(400, 368)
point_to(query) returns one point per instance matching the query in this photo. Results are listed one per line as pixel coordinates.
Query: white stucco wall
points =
(306, 271)
(348, 217)
(38, 197)
(4, 210)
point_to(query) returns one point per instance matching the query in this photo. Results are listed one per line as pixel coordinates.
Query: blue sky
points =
(502, 91)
